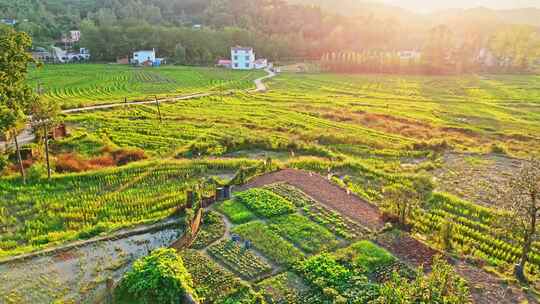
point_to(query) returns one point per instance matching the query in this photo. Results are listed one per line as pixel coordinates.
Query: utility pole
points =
(21, 168)
(45, 129)
(158, 109)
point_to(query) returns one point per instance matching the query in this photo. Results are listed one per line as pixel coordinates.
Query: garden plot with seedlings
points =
(285, 255)
(78, 275)
(239, 259)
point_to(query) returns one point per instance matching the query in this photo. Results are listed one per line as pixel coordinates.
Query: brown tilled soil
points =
(485, 288)
(325, 192)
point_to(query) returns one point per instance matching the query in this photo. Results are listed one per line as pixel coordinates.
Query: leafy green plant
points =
(265, 203)
(365, 256)
(160, 277)
(441, 285)
(236, 212)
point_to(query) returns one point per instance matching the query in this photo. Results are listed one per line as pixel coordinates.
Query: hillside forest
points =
(197, 32)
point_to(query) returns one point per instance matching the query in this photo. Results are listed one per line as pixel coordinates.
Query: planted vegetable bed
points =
(240, 260)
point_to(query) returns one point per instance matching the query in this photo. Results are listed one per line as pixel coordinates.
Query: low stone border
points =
(77, 244)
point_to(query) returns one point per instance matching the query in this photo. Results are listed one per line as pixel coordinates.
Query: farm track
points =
(26, 136)
(486, 288)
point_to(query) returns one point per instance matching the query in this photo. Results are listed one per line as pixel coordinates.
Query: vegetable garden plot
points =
(269, 243)
(337, 223)
(286, 288)
(212, 229)
(236, 212)
(265, 203)
(239, 259)
(305, 234)
(212, 282)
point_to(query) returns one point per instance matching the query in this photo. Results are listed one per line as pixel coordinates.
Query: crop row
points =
(265, 203)
(239, 259)
(471, 232)
(269, 243)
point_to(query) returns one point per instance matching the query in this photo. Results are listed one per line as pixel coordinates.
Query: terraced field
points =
(91, 84)
(347, 114)
(79, 206)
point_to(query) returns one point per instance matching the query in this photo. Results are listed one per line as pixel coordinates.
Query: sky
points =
(425, 6)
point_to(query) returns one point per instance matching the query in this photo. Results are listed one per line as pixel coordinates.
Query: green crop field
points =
(349, 114)
(90, 84)
(79, 206)
(367, 131)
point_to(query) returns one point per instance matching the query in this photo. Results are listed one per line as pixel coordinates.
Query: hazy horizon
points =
(424, 6)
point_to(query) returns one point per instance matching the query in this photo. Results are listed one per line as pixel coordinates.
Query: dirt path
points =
(324, 192)
(485, 288)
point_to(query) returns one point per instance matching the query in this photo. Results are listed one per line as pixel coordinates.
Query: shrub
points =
(3, 162)
(101, 162)
(126, 156)
(36, 172)
(441, 285)
(497, 149)
(70, 162)
(160, 277)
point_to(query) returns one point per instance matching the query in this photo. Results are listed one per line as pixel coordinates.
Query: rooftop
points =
(241, 48)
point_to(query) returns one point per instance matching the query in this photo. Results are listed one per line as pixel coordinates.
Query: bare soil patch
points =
(476, 177)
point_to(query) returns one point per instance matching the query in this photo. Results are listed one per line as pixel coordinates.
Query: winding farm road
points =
(27, 136)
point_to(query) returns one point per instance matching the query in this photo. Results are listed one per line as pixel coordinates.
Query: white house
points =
(147, 57)
(486, 58)
(261, 63)
(409, 55)
(243, 58)
(74, 36)
(8, 21)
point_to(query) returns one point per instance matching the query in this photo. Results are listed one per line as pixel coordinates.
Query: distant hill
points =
(528, 16)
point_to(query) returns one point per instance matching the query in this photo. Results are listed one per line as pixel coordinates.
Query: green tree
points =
(15, 93)
(441, 285)
(516, 46)
(160, 277)
(400, 200)
(522, 200)
(179, 54)
(439, 49)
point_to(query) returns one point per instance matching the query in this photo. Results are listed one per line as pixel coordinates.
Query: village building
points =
(224, 63)
(8, 21)
(243, 58)
(409, 55)
(487, 58)
(72, 37)
(261, 63)
(147, 58)
(42, 55)
(144, 57)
